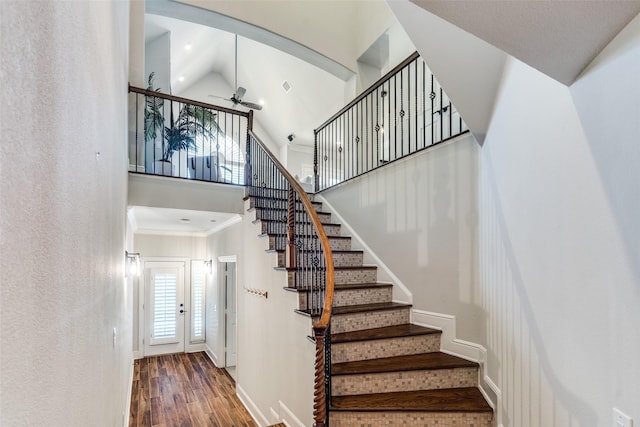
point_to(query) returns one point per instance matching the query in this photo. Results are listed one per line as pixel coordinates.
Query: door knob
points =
(182, 311)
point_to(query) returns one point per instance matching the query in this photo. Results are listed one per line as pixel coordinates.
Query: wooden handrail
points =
(156, 94)
(323, 322)
(371, 88)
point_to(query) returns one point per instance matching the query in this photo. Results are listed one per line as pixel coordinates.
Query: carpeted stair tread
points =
(412, 362)
(466, 399)
(396, 331)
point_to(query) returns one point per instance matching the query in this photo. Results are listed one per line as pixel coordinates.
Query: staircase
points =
(384, 370)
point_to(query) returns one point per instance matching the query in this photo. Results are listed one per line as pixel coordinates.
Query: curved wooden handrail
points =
(157, 94)
(323, 322)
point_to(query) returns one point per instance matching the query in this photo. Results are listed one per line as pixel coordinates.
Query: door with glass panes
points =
(164, 308)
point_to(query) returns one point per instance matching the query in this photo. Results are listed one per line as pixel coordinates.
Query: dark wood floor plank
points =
(184, 390)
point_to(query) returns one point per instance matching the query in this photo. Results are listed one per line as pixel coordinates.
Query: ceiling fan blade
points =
(219, 97)
(240, 92)
(251, 105)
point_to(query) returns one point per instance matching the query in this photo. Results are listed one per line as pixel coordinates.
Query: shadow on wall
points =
(606, 99)
(419, 216)
(532, 392)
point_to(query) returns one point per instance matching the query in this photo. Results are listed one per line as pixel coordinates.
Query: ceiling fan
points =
(236, 98)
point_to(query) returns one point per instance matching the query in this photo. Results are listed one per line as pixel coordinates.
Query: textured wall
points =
(63, 70)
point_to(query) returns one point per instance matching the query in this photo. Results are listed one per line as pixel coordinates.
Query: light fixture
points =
(188, 46)
(181, 78)
(209, 266)
(132, 263)
(261, 102)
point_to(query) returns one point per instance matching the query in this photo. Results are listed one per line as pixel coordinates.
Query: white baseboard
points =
(194, 348)
(212, 355)
(137, 355)
(381, 265)
(289, 417)
(467, 350)
(127, 411)
(255, 413)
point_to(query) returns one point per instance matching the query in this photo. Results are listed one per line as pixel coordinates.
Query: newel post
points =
(320, 383)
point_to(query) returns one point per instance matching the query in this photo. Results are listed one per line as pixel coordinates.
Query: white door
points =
(164, 308)
(230, 313)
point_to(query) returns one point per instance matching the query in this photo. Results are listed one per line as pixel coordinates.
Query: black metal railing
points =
(183, 138)
(296, 228)
(405, 111)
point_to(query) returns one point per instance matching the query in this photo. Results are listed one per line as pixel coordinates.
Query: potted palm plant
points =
(175, 133)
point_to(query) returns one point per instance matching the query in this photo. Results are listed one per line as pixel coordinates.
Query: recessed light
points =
(181, 78)
(188, 46)
(185, 220)
(261, 102)
(212, 220)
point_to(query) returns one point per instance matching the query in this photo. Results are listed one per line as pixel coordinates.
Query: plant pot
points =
(163, 168)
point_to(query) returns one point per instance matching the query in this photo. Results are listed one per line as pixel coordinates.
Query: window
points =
(197, 301)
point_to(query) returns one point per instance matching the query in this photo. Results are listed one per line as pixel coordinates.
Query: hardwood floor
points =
(184, 390)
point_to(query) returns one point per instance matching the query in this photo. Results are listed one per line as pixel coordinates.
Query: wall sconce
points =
(132, 262)
(208, 265)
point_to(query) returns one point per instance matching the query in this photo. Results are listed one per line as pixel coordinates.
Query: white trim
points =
(255, 413)
(131, 216)
(228, 258)
(289, 417)
(127, 409)
(467, 350)
(274, 415)
(137, 355)
(212, 356)
(381, 265)
(171, 233)
(194, 348)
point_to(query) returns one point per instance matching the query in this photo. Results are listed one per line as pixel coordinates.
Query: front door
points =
(164, 308)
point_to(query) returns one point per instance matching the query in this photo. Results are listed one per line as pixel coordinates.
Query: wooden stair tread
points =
(344, 286)
(345, 268)
(412, 362)
(350, 251)
(465, 399)
(396, 331)
(257, 221)
(308, 235)
(361, 308)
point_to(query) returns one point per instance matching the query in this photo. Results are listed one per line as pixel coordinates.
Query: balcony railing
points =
(183, 138)
(405, 111)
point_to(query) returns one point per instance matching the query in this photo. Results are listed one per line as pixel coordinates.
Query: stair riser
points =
(389, 382)
(278, 215)
(345, 277)
(339, 259)
(402, 419)
(280, 243)
(361, 296)
(368, 275)
(370, 319)
(374, 349)
(270, 227)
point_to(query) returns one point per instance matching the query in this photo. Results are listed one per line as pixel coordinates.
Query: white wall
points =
(418, 215)
(157, 60)
(560, 271)
(275, 361)
(64, 80)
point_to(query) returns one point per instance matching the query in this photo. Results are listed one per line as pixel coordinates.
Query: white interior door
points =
(230, 310)
(164, 308)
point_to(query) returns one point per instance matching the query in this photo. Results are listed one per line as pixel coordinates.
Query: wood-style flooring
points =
(185, 390)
